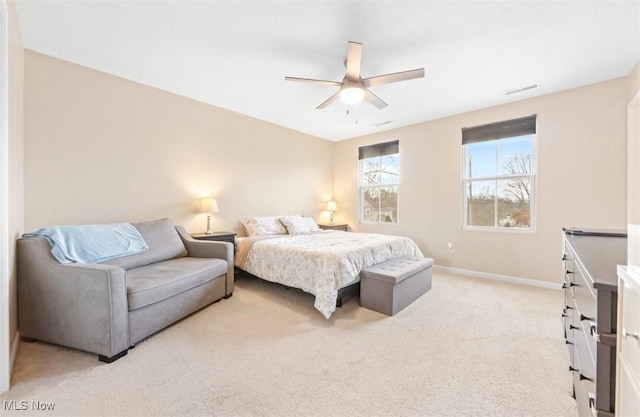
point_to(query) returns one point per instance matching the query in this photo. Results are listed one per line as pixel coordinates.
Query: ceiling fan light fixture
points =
(351, 95)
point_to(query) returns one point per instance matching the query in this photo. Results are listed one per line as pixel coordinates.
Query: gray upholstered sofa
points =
(108, 307)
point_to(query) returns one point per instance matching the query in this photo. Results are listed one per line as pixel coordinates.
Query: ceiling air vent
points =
(383, 123)
(520, 90)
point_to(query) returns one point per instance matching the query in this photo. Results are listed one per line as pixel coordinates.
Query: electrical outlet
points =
(450, 247)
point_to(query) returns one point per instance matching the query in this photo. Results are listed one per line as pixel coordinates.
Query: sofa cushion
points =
(156, 282)
(163, 241)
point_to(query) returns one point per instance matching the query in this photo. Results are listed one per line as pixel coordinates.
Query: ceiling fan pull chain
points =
(355, 113)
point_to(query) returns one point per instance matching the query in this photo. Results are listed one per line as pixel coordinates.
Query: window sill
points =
(499, 229)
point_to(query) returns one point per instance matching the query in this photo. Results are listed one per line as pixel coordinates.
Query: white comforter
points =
(319, 263)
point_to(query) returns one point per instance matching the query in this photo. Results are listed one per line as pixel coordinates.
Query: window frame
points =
(533, 203)
(362, 188)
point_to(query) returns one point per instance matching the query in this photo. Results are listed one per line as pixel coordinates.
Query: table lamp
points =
(208, 205)
(332, 207)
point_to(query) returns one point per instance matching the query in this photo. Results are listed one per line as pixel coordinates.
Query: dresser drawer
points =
(569, 331)
(568, 308)
(588, 343)
(585, 392)
(585, 358)
(584, 296)
(568, 312)
(569, 259)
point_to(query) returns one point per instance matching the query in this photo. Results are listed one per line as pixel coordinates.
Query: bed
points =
(319, 262)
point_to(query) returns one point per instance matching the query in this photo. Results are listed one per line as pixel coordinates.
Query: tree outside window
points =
(499, 174)
(379, 183)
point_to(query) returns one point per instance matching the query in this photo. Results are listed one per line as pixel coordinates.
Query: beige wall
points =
(633, 167)
(16, 198)
(581, 181)
(102, 149)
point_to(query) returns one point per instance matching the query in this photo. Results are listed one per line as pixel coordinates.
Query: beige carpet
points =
(468, 347)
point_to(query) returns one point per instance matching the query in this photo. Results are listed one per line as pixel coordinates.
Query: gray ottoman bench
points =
(390, 286)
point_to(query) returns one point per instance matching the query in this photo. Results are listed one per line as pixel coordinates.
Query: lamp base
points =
(208, 231)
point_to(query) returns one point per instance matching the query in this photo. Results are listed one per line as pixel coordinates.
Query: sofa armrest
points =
(83, 306)
(211, 249)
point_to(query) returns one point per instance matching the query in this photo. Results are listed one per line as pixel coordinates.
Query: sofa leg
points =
(115, 357)
(228, 296)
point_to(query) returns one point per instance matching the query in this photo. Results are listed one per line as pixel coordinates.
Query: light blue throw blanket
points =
(92, 243)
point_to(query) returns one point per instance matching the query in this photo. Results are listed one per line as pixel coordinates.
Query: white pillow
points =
(313, 226)
(295, 224)
(259, 226)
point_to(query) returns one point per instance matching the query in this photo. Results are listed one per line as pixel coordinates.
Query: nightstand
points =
(216, 236)
(343, 227)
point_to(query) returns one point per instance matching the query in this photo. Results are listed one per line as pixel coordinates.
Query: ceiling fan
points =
(354, 89)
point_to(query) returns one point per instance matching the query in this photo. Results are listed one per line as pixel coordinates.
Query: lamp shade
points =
(208, 205)
(332, 206)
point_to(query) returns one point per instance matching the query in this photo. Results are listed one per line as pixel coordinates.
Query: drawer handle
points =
(565, 257)
(572, 369)
(583, 317)
(569, 272)
(592, 404)
(567, 342)
(634, 335)
(582, 377)
(566, 285)
(608, 339)
(593, 329)
(568, 307)
(572, 327)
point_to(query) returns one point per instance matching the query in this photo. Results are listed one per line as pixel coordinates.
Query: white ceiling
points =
(235, 54)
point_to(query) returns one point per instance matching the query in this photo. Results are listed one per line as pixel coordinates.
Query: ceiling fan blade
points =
(373, 99)
(354, 58)
(393, 78)
(312, 81)
(328, 101)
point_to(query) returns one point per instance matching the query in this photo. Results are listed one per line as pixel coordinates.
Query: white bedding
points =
(319, 263)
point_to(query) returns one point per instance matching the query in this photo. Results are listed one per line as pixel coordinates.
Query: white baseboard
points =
(14, 352)
(503, 278)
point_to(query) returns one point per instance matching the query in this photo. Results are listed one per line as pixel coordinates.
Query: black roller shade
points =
(499, 130)
(380, 149)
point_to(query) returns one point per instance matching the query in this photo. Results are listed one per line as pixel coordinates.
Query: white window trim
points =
(533, 200)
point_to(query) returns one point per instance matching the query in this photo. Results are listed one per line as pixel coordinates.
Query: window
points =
(379, 182)
(499, 174)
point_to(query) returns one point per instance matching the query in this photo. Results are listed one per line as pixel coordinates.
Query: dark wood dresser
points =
(590, 315)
